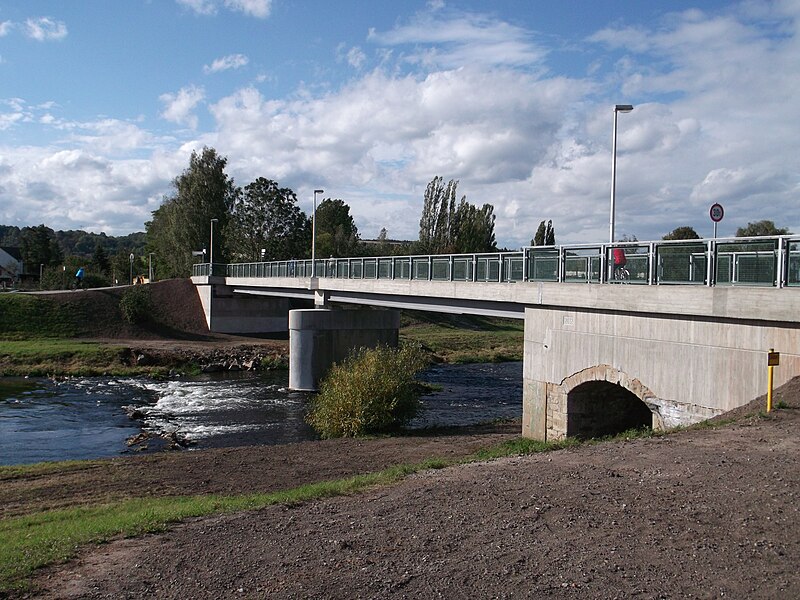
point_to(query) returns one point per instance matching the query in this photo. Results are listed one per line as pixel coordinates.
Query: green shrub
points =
(372, 391)
(135, 304)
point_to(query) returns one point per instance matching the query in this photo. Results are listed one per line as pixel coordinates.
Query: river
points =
(85, 418)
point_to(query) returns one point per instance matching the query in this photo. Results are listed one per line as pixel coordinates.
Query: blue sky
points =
(101, 104)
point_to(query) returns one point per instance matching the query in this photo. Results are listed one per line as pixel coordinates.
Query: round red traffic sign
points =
(716, 212)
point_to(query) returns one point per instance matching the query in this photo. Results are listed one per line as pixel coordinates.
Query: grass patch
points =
(24, 316)
(465, 338)
(41, 357)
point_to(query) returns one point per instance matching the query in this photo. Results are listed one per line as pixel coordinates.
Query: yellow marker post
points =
(773, 360)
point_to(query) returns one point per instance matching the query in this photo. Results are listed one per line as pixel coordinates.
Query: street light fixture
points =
(619, 108)
(314, 234)
(211, 247)
(150, 267)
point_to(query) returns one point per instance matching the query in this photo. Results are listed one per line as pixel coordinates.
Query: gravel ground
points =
(704, 513)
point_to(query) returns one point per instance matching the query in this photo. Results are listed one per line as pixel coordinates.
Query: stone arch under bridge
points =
(600, 400)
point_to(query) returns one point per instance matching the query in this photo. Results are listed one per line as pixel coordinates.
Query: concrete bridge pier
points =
(320, 337)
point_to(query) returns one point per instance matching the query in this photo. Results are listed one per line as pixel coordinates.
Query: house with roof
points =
(11, 266)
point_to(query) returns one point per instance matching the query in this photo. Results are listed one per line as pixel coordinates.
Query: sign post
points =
(716, 213)
(773, 360)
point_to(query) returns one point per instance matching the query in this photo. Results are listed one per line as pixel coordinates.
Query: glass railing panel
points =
(543, 264)
(513, 268)
(370, 268)
(441, 269)
(636, 263)
(681, 263)
(793, 264)
(384, 268)
(421, 268)
(402, 268)
(582, 265)
(749, 262)
(462, 269)
(356, 270)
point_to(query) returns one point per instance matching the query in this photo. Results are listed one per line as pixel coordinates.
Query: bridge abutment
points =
(579, 366)
(227, 312)
(320, 337)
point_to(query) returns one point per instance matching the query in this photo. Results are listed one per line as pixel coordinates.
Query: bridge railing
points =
(757, 261)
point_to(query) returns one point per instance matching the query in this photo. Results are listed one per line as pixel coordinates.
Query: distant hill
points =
(79, 242)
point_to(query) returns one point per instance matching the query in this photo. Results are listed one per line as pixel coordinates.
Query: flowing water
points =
(83, 418)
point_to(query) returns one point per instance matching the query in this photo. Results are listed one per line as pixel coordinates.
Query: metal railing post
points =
(525, 264)
(710, 262)
(651, 279)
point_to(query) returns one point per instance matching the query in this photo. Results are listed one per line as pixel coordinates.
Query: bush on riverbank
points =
(371, 391)
(136, 305)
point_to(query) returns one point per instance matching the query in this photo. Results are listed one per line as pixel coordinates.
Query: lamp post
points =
(131, 259)
(314, 234)
(41, 268)
(150, 267)
(211, 247)
(619, 108)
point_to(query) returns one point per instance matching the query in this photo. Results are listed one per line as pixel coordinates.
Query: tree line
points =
(262, 221)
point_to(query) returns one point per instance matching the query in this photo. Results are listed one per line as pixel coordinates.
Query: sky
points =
(102, 103)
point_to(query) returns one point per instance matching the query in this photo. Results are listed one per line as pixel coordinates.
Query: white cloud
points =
(232, 61)
(451, 40)
(355, 57)
(254, 8)
(716, 98)
(200, 7)
(179, 107)
(5, 28)
(45, 28)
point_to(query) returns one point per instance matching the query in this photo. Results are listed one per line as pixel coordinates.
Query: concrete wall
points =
(229, 313)
(686, 369)
(318, 338)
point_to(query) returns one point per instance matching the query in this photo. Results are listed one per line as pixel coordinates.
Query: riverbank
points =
(85, 333)
(707, 511)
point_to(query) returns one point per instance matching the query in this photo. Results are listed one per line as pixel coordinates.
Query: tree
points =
(438, 212)
(182, 223)
(266, 217)
(337, 234)
(545, 235)
(761, 228)
(682, 233)
(100, 259)
(39, 246)
(447, 228)
(473, 228)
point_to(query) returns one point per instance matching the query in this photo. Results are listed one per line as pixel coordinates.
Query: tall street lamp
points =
(211, 247)
(314, 234)
(619, 108)
(150, 267)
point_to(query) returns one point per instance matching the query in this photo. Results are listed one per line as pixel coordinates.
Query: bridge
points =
(679, 335)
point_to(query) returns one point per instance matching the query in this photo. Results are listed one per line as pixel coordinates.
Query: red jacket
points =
(619, 257)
